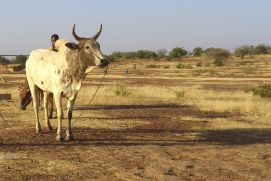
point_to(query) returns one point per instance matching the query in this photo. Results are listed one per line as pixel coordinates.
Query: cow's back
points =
(43, 67)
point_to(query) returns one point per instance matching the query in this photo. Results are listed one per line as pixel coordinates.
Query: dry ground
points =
(213, 131)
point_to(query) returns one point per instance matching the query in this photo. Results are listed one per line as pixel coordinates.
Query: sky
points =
(131, 25)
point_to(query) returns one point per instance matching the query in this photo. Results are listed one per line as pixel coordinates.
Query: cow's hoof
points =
(59, 138)
(50, 116)
(69, 137)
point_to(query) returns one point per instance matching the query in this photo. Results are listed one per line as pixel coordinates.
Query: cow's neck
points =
(77, 65)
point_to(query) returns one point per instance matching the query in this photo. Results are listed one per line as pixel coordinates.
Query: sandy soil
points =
(133, 142)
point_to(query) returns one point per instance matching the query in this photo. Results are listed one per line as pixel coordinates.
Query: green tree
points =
(244, 50)
(218, 53)
(4, 60)
(177, 52)
(198, 51)
(21, 59)
(260, 49)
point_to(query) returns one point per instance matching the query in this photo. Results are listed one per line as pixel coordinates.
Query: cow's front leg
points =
(70, 105)
(45, 100)
(58, 102)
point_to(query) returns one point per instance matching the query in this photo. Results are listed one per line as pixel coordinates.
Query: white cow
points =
(62, 73)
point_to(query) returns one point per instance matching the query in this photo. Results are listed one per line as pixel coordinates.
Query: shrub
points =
(218, 62)
(182, 66)
(198, 51)
(243, 51)
(180, 94)
(218, 53)
(152, 66)
(263, 90)
(177, 52)
(260, 49)
(121, 90)
(166, 66)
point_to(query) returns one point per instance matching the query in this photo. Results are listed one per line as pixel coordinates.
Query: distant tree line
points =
(20, 59)
(252, 50)
(177, 52)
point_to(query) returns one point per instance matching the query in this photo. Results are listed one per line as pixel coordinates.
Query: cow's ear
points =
(72, 46)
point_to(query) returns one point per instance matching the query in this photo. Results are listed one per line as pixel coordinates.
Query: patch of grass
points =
(263, 90)
(182, 66)
(180, 94)
(121, 89)
(179, 65)
(249, 70)
(245, 62)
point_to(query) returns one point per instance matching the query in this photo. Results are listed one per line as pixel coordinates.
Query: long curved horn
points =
(75, 35)
(98, 33)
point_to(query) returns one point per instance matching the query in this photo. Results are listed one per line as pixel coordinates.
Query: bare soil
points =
(133, 142)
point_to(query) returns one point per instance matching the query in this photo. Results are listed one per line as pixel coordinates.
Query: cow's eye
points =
(87, 47)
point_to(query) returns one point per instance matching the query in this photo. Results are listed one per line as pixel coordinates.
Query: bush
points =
(243, 51)
(180, 65)
(198, 51)
(121, 90)
(251, 50)
(180, 94)
(218, 53)
(260, 49)
(166, 66)
(177, 52)
(152, 66)
(218, 63)
(263, 90)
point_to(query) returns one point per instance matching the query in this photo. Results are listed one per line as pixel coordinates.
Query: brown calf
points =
(26, 98)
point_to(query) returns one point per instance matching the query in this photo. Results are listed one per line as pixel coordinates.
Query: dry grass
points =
(252, 108)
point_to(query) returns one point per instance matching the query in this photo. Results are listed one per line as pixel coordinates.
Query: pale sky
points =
(130, 25)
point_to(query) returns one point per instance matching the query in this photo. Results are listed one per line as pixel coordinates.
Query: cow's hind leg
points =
(58, 102)
(51, 105)
(45, 100)
(70, 105)
(35, 97)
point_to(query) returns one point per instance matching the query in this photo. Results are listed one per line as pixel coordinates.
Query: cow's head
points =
(89, 49)
(25, 95)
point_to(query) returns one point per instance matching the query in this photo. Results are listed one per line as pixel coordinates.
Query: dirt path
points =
(156, 145)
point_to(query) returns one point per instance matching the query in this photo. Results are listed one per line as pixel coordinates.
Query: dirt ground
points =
(133, 142)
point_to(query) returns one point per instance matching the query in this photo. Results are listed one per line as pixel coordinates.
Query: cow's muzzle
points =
(104, 63)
